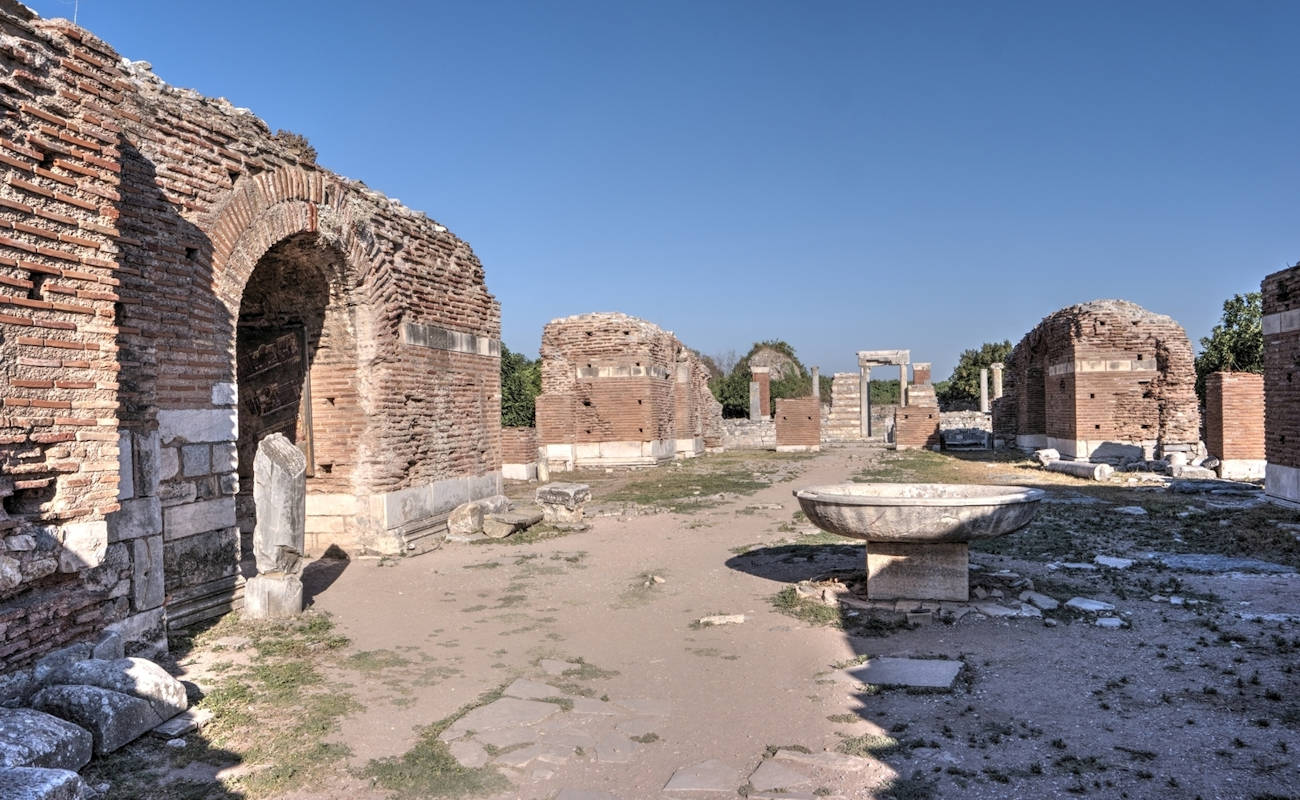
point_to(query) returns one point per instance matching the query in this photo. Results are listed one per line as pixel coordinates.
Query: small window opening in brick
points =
(326, 468)
(1141, 357)
(1146, 427)
(640, 430)
(638, 402)
(589, 431)
(627, 333)
(38, 283)
(47, 159)
(1092, 396)
(590, 333)
(191, 253)
(638, 363)
(234, 175)
(329, 400)
(1096, 427)
(1101, 323)
(587, 403)
(1284, 438)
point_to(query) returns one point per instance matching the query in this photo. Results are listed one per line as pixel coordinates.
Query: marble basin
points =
(917, 533)
(919, 512)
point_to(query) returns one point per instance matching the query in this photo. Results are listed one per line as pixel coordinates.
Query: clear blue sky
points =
(843, 176)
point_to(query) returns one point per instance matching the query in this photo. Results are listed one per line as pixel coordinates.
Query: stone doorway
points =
(294, 353)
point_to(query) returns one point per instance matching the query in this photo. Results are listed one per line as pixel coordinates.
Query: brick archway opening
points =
(295, 356)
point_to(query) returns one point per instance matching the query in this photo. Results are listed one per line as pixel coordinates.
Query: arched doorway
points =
(295, 357)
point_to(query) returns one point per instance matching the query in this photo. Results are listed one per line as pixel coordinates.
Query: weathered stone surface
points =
(113, 719)
(16, 688)
(280, 494)
(57, 659)
(508, 712)
(30, 738)
(465, 519)
(916, 672)
(772, 774)
(584, 794)
(1040, 600)
(1114, 562)
(1088, 605)
(1210, 562)
(526, 689)
(1132, 511)
(183, 723)
(1114, 623)
(1046, 456)
(469, 754)
(84, 546)
(273, 596)
(499, 526)
(35, 783)
(567, 495)
(706, 776)
(936, 571)
(1082, 469)
(138, 677)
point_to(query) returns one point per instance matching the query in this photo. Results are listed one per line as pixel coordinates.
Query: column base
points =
(937, 571)
(273, 597)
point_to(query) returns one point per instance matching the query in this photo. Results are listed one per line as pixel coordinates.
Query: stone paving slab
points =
(525, 689)
(614, 749)
(839, 762)
(927, 673)
(646, 706)
(584, 794)
(706, 776)
(508, 712)
(772, 775)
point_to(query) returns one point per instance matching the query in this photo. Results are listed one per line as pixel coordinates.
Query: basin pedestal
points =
(938, 571)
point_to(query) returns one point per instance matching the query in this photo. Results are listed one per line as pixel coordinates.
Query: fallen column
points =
(1081, 469)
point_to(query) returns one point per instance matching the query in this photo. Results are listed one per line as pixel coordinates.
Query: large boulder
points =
(113, 719)
(35, 783)
(138, 677)
(30, 738)
(55, 660)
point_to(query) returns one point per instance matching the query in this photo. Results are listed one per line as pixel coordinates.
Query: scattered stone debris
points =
(1211, 563)
(562, 504)
(499, 526)
(1114, 562)
(1088, 605)
(1113, 623)
(1133, 511)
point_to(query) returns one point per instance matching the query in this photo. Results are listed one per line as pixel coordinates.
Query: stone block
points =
(169, 463)
(137, 677)
(57, 659)
(11, 573)
(273, 597)
(144, 633)
(139, 517)
(280, 494)
(113, 719)
(225, 457)
(30, 738)
(225, 394)
(568, 495)
(198, 425)
(125, 467)
(499, 526)
(16, 687)
(196, 459)
(465, 520)
(37, 783)
(936, 571)
(148, 463)
(148, 574)
(84, 546)
(109, 647)
(921, 673)
(198, 517)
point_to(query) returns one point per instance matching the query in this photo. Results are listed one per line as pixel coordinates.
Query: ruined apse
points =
(620, 391)
(176, 282)
(1101, 381)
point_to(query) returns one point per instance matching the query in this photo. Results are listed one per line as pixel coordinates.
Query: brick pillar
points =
(763, 377)
(1234, 423)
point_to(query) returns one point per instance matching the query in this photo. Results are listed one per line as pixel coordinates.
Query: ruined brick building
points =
(1102, 380)
(175, 282)
(620, 391)
(1281, 324)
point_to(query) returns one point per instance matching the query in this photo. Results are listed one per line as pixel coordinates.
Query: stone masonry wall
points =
(798, 423)
(617, 390)
(1101, 380)
(133, 217)
(1281, 323)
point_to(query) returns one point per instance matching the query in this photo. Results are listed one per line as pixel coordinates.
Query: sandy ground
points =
(1187, 701)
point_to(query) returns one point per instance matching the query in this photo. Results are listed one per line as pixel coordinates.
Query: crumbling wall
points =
(1281, 324)
(617, 390)
(1103, 380)
(133, 219)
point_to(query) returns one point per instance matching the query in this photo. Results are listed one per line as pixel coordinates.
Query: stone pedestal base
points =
(918, 571)
(273, 597)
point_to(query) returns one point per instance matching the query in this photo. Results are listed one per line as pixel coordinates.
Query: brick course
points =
(145, 232)
(1281, 307)
(1234, 415)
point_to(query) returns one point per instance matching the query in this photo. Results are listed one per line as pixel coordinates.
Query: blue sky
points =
(844, 176)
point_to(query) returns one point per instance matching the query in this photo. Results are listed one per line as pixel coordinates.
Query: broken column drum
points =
(917, 534)
(280, 495)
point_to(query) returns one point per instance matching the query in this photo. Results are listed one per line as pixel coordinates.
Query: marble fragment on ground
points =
(706, 776)
(921, 673)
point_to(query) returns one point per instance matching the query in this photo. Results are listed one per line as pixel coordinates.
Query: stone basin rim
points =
(1004, 495)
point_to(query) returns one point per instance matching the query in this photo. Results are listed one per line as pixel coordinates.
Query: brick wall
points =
(621, 390)
(920, 373)
(518, 445)
(1281, 323)
(136, 221)
(763, 377)
(1234, 415)
(1101, 380)
(798, 422)
(916, 426)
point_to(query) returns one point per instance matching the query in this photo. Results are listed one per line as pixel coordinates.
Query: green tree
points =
(521, 382)
(883, 393)
(1236, 344)
(964, 384)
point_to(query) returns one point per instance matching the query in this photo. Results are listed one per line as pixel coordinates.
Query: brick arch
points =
(268, 208)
